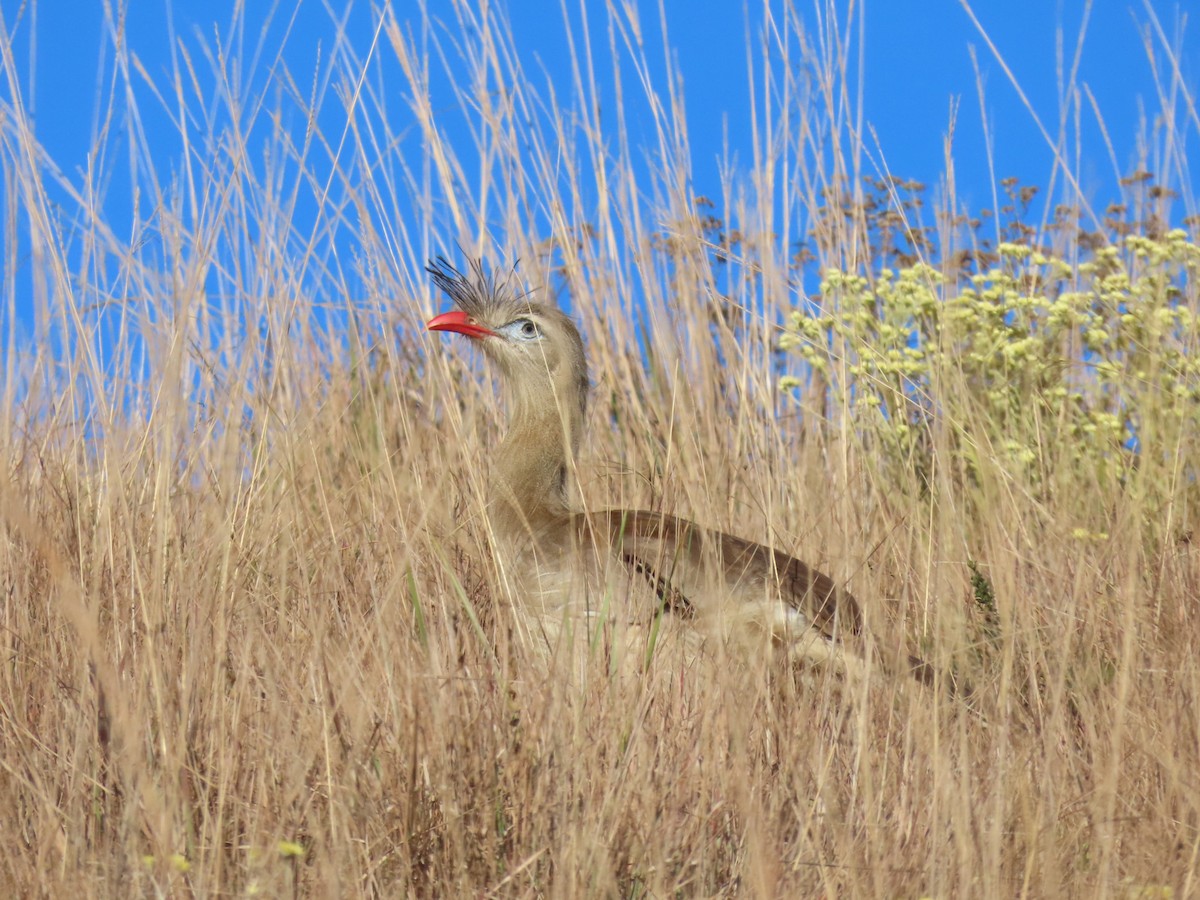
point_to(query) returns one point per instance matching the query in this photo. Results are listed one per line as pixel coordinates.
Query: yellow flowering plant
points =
(1034, 349)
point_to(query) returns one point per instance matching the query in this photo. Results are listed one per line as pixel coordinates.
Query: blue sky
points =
(917, 58)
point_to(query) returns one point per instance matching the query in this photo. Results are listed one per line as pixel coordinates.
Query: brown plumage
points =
(562, 563)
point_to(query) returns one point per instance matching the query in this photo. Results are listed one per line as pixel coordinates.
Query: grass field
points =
(251, 642)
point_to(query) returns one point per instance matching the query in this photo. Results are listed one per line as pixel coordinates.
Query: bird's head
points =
(537, 347)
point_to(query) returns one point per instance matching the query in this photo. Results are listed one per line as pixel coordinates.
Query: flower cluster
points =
(1098, 350)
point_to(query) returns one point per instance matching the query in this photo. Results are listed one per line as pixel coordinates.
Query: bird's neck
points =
(534, 463)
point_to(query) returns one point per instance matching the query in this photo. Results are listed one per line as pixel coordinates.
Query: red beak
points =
(459, 321)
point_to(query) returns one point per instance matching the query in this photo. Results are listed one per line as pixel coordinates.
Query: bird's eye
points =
(523, 329)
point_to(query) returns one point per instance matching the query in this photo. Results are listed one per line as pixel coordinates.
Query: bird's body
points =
(578, 570)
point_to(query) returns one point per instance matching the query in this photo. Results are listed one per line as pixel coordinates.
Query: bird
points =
(563, 562)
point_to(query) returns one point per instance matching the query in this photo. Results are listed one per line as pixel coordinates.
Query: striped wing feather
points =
(693, 569)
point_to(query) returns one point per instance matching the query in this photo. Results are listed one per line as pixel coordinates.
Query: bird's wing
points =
(721, 580)
(695, 570)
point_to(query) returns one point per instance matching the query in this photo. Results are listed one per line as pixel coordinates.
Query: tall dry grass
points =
(251, 639)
